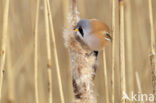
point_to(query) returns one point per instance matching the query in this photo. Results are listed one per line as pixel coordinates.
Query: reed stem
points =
(36, 52)
(3, 48)
(105, 76)
(65, 10)
(49, 71)
(122, 47)
(50, 85)
(55, 53)
(113, 50)
(129, 46)
(152, 44)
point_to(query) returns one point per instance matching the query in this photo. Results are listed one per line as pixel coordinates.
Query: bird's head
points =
(93, 32)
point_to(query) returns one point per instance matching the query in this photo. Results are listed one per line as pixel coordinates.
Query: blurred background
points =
(18, 86)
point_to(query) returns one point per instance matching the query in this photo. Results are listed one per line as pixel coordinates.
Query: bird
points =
(94, 33)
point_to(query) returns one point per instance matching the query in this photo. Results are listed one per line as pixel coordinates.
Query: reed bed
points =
(24, 80)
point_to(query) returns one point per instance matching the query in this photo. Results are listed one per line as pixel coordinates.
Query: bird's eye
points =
(81, 31)
(109, 36)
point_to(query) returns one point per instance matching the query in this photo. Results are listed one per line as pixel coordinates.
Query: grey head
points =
(83, 27)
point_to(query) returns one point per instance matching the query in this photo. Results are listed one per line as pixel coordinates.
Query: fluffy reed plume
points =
(152, 55)
(3, 48)
(113, 50)
(82, 66)
(122, 48)
(105, 76)
(36, 52)
(46, 12)
(55, 53)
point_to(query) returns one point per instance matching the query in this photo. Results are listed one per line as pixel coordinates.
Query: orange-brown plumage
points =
(98, 29)
(97, 26)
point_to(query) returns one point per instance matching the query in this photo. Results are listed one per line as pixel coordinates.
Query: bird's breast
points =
(92, 41)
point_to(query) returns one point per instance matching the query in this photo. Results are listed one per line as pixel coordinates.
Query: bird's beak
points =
(76, 29)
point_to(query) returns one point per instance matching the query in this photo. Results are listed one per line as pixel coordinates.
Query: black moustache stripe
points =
(81, 31)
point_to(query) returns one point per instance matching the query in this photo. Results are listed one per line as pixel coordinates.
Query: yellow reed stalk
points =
(50, 85)
(55, 54)
(105, 76)
(152, 55)
(36, 52)
(47, 33)
(129, 48)
(65, 10)
(46, 12)
(3, 50)
(83, 8)
(113, 50)
(122, 48)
